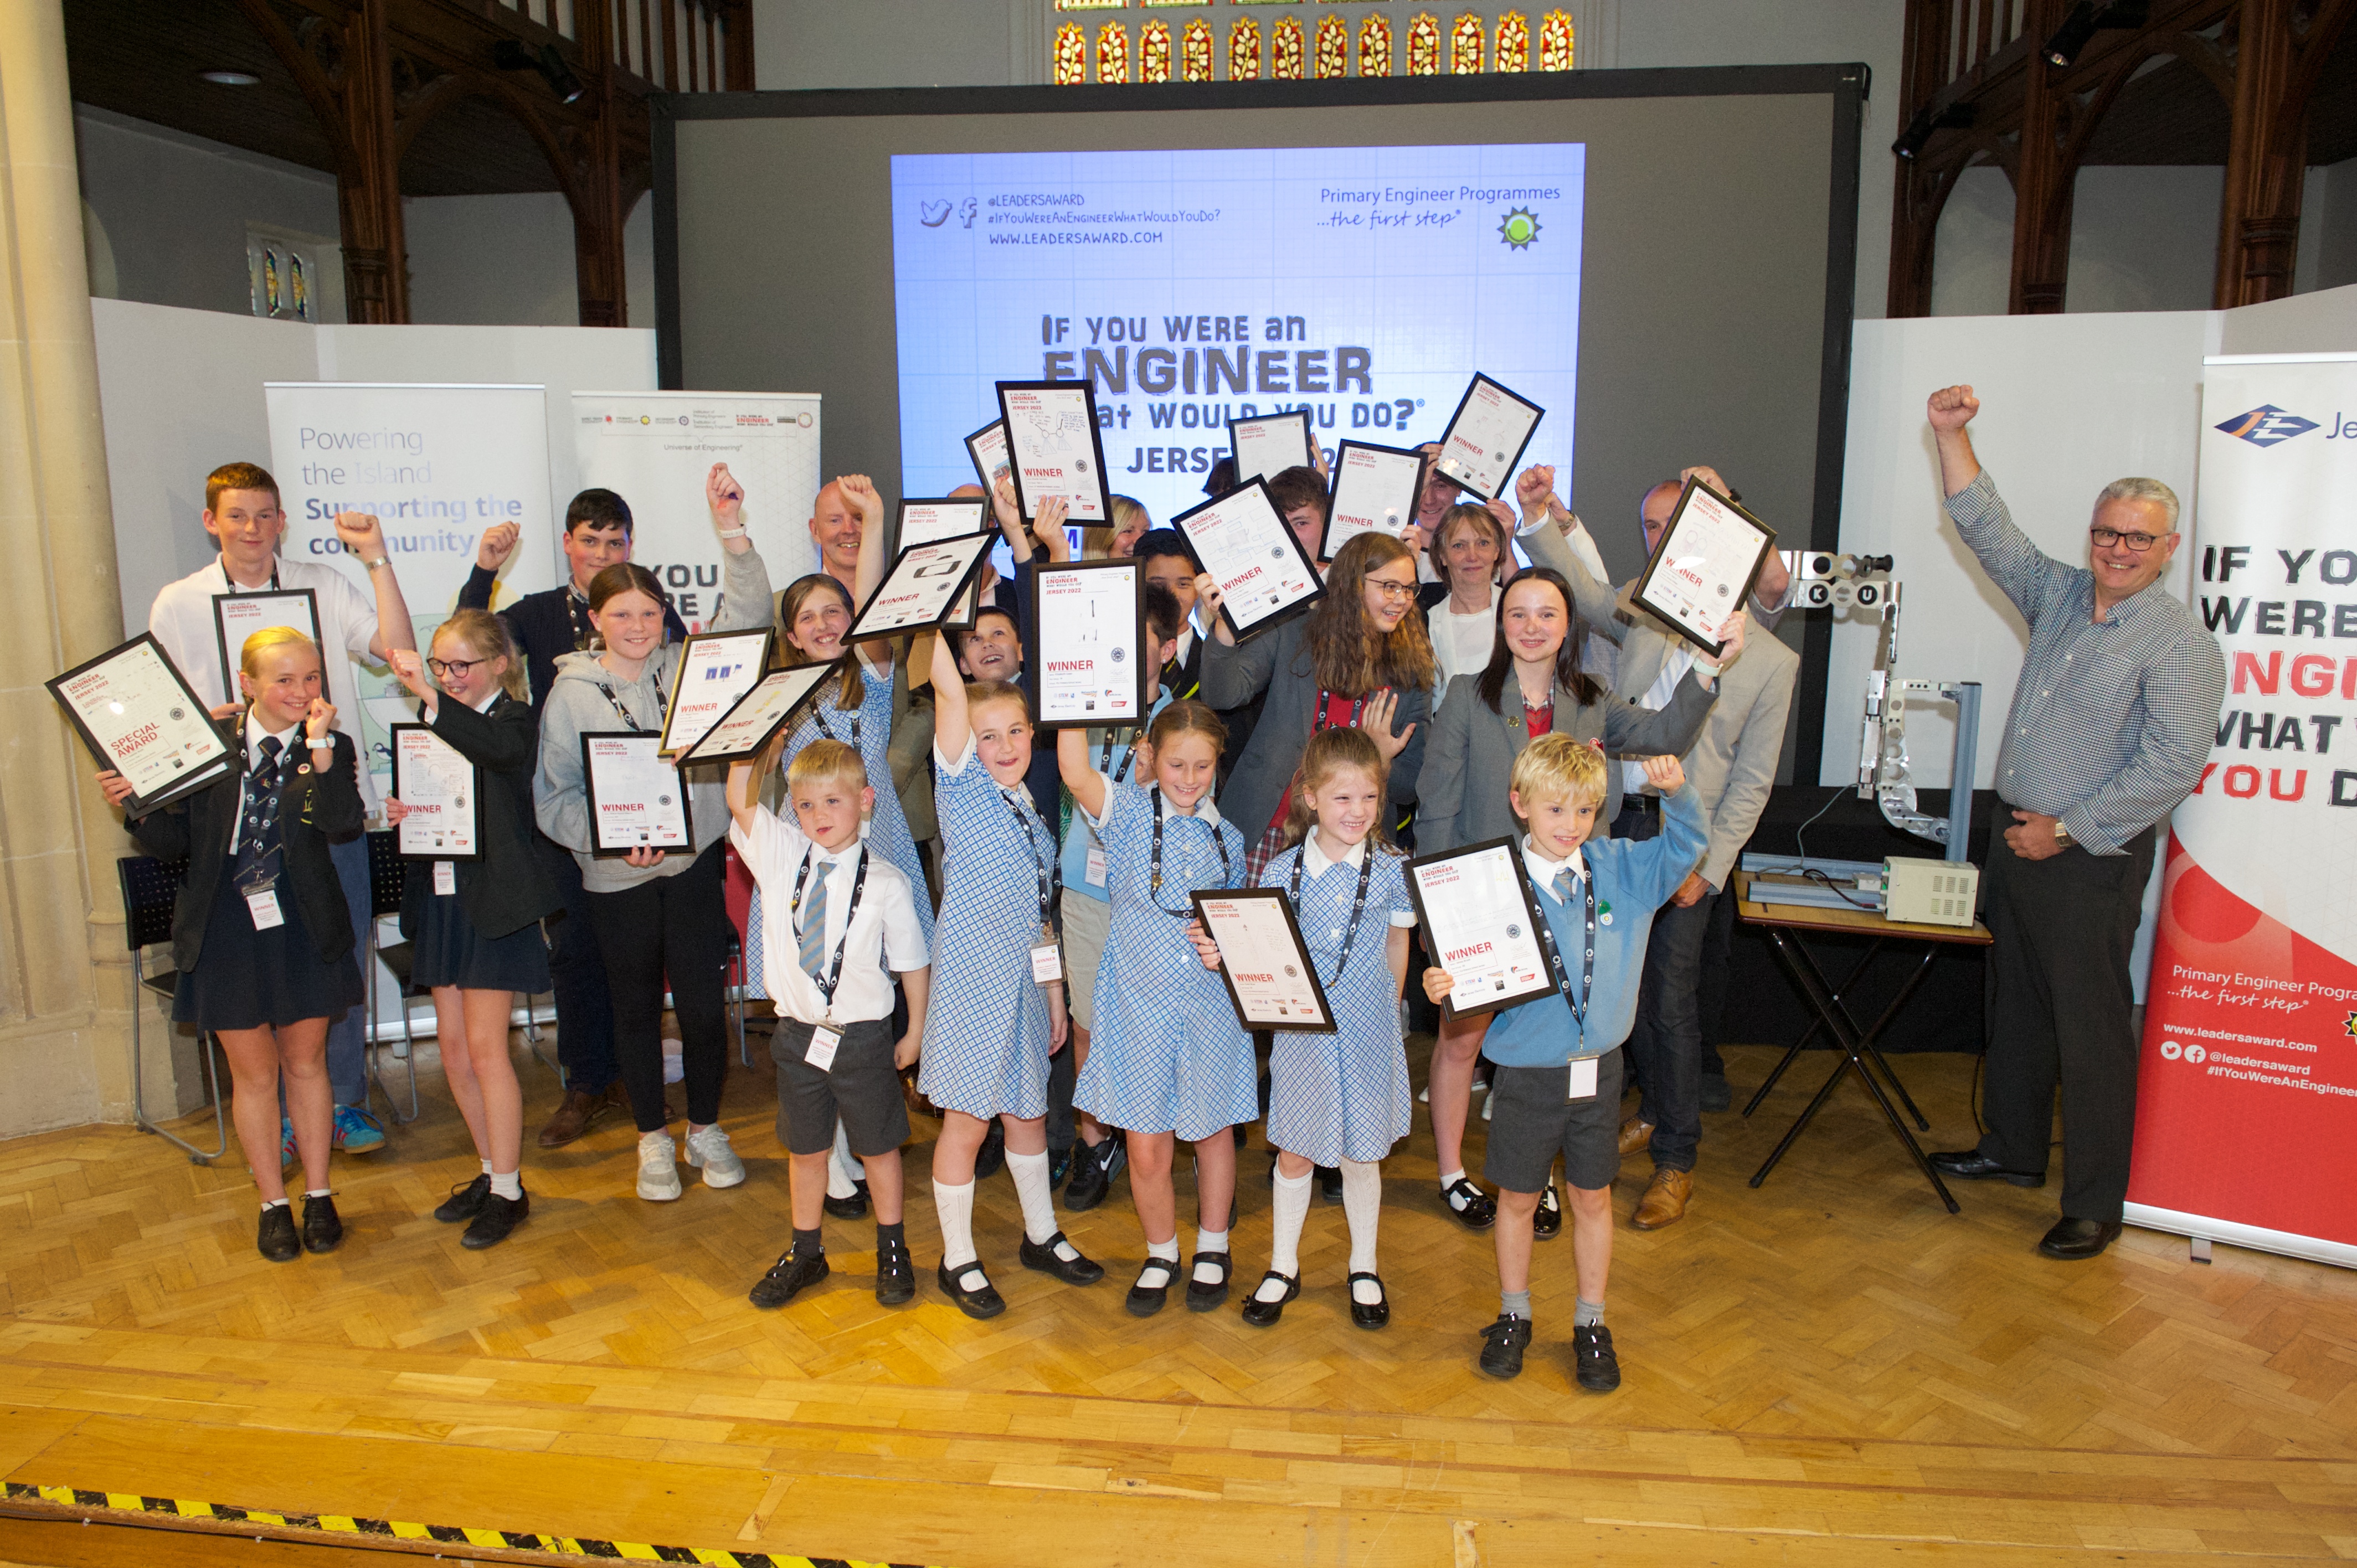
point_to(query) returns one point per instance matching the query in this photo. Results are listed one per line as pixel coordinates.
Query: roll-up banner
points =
(2246, 1100)
(655, 449)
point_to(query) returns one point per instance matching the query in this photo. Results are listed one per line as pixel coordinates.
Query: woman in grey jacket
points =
(654, 915)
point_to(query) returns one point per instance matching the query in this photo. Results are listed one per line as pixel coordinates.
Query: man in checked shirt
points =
(2115, 709)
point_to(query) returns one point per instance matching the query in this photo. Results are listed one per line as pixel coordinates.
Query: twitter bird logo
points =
(933, 214)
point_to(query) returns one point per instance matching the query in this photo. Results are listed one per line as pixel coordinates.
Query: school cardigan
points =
(509, 888)
(542, 625)
(315, 807)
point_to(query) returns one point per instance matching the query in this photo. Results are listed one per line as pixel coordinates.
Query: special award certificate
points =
(1702, 572)
(1092, 663)
(986, 450)
(1486, 437)
(139, 717)
(1271, 978)
(445, 820)
(1375, 491)
(1480, 926)
(1054, 450)
(237, 616)
(1268, 445)
(1241, 539)
(951, 517)
(716, 668)
(637, 801)
(923, 590)
(761, 712)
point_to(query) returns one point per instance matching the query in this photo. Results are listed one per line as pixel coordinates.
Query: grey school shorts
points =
(1532, 1119)
(1087, 923)
(863, 1087)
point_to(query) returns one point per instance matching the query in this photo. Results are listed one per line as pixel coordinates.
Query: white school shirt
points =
(1313, 863)
(291, 741)
(1461, 644)
(1657, 697)
(182, 620)
(1545, 871)
(885, 932)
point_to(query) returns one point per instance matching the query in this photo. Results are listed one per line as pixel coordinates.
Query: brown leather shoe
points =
(1664, 1202)
(1634, 1135)
(579, 1111)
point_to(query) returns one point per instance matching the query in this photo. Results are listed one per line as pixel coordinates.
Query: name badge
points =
(1583, 1079)
(823, 1042)
(265, 909)
(445, 878)
(1047, 963)
(1096, 868)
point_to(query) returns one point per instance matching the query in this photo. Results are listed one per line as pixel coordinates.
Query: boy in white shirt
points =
(837, 924)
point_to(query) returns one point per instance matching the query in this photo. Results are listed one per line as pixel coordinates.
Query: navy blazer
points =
(542, 625)
(510, 887)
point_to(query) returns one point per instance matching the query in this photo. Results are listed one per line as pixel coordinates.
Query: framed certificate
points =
(1486, 437)
(951, 517)
(716, 668)
(1272, 444)
(923, 590)
(138, 716)
(1053, 449)
(773, 703)
(1481, 925)
(1246, 545)
(1270, 977)
(637, 801)
(1703, 572)
(444, 795)
(986, 450)
(237, 616)
(1091, 664)
(1376, 489)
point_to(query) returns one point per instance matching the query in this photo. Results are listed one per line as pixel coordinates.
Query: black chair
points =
(150, 887)
(388, 879)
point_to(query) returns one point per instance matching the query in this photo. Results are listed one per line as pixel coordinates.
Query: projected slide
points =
(1364, 283)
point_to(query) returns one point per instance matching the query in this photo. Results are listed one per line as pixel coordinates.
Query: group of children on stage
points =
(844, 938)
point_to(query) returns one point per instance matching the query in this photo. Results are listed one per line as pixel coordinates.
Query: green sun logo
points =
(1519, 228)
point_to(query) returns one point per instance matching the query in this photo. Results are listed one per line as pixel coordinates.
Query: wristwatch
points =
(380, 560)
(2061, 836)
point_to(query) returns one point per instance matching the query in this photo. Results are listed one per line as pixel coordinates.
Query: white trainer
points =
(710, 1149)
(658, 1168)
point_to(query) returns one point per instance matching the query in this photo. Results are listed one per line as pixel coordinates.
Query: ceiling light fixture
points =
(231, 77)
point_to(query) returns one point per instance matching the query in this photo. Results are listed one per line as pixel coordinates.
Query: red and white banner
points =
(2247, 1102)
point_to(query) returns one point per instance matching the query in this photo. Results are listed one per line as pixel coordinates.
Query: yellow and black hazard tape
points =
(200, 1514)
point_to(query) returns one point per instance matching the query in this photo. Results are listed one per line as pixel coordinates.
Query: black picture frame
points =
(232, 658)
(1326, 1024)
(1449, 1007)
(474, 795)
(208, 772)
(818, 675)
(1309, 438)
(1034, 660)
(961, 597)
(768, 641)
(982, 474)
(1279, 617)
(1023, 507)
(590, 786)
(1669, 532)
(1441, 446)
(1334, 483)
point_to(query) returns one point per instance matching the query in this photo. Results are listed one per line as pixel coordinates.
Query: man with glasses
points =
(2115, 710)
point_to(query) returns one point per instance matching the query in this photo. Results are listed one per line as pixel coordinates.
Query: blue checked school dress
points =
(986, 1027)
(1343, 1096)
(1167, 1054)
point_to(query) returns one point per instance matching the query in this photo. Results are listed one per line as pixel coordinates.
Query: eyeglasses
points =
(1392, 590)
(2106, 538)
(453, 668)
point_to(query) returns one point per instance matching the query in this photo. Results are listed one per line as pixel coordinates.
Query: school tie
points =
(1564, 885)
(261, 799)
(813, 938)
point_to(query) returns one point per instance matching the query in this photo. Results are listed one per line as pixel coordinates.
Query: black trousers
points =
(2058, 1011)
(676, 927)
(585, 1015)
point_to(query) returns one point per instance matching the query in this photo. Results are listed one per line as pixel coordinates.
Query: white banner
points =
(654, 449)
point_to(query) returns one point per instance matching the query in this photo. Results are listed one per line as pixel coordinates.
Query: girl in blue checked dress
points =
(1167, 1059)
(1339, 1099)
(997, 1016)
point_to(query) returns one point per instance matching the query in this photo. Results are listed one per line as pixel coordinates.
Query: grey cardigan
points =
(1471, 755)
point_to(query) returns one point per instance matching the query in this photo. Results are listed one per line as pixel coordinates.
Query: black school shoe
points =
(1092, 1172)
(1595, 1366)
(991, 1158)
(1202, 1297)
(466, 1201)
(1146, 1300)
(984, 1302)
(787, 1278)
(1329, 1182)
(322, 1230)
(495, 1220)
(1370, 1314)
(852, 1207)
(276, 1239)
(896, 1274)
(1060, 1165)
(1043, 1257)
(1262, 1314)
(1502, 1344)
(1547, 1224)
(1474, 1209)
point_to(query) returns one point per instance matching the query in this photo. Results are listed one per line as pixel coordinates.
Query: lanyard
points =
(794, 909)
(1358, 905)
(574, 606)
(818, 712)
(1105, 757)
(233, 581)
(1154, 880)
(1051, 868)
(1577, 1004)
(616, 702)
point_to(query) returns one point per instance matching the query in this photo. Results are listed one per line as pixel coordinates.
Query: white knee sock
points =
(841, 1170)
(1288, 1209)
(1363, 1205)
(1209, 1241)
(1031, 1174)
(955, 1207)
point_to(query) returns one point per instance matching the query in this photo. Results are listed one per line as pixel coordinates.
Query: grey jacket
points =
(587, 697)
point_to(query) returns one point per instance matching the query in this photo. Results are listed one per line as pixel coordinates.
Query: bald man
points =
(834, 530)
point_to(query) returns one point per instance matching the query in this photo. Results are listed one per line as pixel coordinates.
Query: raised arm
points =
(1594, 601)
(1949, 410)
(491, 552)
(1234, 673)
(1087, 785)
(860, 491)
(951, 728)
(364, 537)
(744, 780)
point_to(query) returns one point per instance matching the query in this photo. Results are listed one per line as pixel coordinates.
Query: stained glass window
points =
(1154, 51)
(1090, 4)
(1333, 48)
(1556, 37)
(1195, 51)
(1113, 52)
(1072, 56)
(1375, 45)
(1244, 49)
(1514, 42)
(1288, 51)
(1424, 45)
(1465, 41)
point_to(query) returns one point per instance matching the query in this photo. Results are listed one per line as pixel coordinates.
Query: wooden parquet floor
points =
(1831, 1369)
